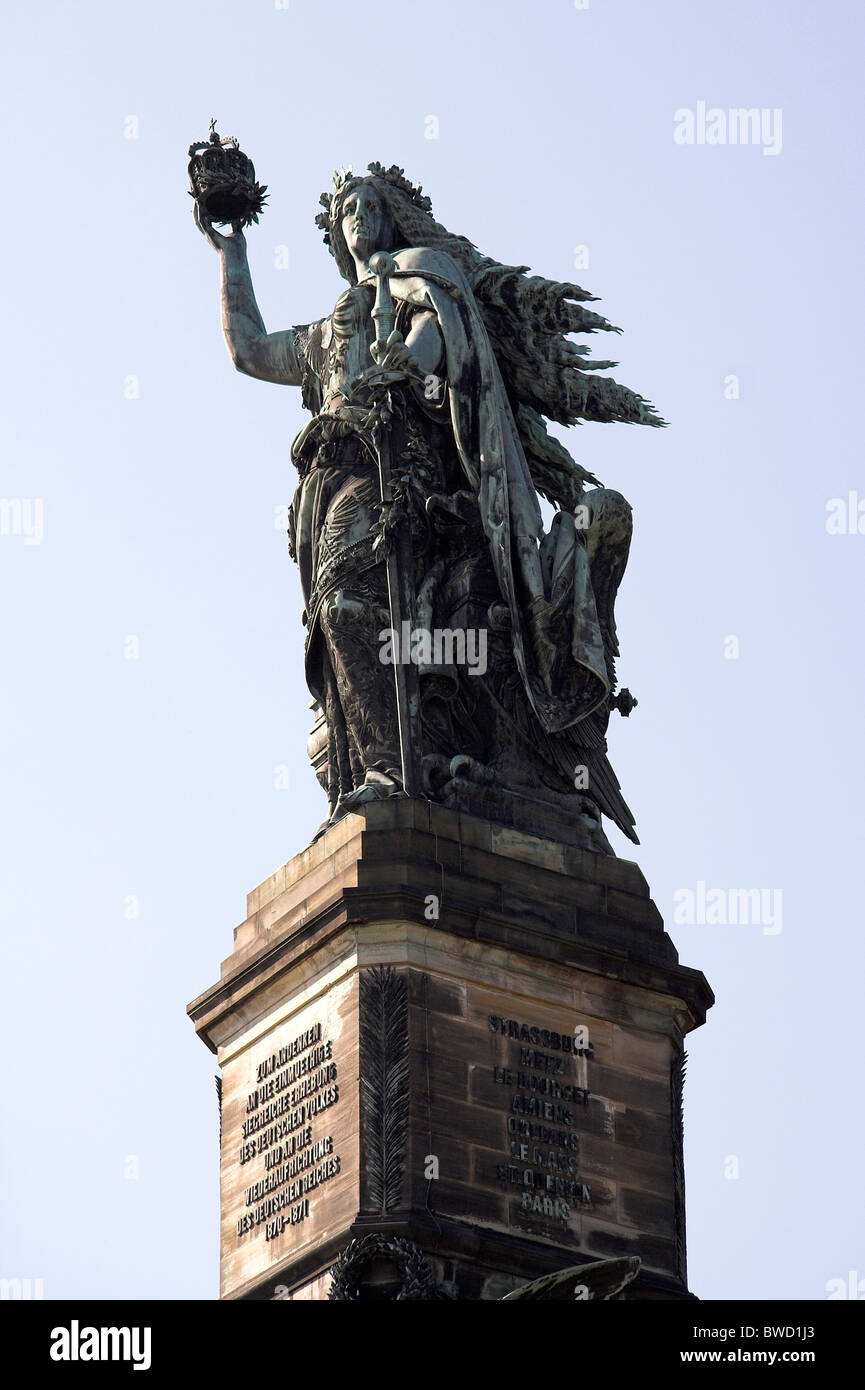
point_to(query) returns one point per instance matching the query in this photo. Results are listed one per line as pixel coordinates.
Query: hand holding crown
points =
(223, 184)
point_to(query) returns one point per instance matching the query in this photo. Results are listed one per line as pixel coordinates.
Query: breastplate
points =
(351, 334)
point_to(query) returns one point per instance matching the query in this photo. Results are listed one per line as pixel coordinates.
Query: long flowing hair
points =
(528, 318)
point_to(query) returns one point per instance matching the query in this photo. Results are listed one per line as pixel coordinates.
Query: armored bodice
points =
(336, 350)
(346, 338)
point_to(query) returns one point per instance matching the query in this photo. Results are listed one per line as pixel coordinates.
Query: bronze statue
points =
(456, 649)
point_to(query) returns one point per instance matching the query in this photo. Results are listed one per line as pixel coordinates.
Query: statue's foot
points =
(376, 786)
(471, 770)
(453, 509)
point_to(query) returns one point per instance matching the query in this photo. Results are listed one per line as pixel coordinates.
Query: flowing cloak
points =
(495, 468)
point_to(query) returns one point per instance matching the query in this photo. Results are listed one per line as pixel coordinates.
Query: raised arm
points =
(268, 356)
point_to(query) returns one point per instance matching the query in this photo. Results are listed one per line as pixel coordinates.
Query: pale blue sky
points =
(155, 777)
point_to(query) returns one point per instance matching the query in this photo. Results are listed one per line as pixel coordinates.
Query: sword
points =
(399, 557)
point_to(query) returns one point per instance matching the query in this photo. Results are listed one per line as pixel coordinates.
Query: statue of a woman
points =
(512, 630)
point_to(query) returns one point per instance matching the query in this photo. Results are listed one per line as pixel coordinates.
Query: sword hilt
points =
(382, 265)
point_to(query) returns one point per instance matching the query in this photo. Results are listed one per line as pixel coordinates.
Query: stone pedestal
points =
(460, 1041)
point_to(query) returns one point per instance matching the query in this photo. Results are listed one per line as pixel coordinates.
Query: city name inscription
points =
(545, 1095)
